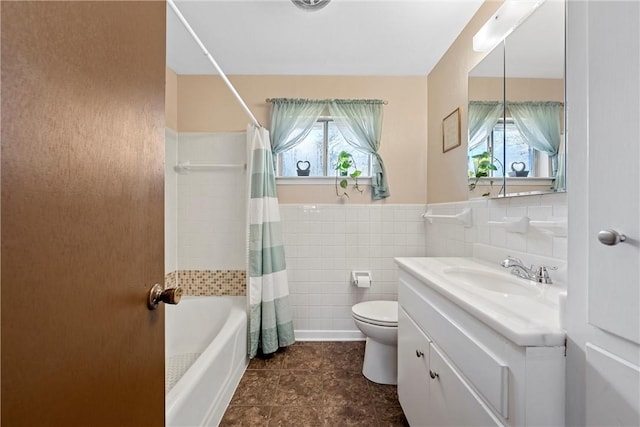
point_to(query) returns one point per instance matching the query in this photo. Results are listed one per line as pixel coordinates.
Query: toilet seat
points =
(380, 313)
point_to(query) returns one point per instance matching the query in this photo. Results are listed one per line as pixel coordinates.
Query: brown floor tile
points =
(342, 388)
(299, 388)
(313, 384)
(308, 343)
(274, 361)
(303, 357)
(341, 360)
(307, 416)
(349, 416)
(382, 394)
(337, 347)
(256, 388)
(391, 416)
(246, 416)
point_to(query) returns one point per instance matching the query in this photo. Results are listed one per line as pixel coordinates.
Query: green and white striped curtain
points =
(270, 317)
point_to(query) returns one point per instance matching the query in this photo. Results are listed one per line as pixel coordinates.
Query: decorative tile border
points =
(209, 282)
(171, 280)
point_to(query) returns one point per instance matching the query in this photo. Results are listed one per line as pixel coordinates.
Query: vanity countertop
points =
(525, 312)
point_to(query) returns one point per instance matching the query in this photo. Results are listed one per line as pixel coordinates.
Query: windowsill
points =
(317, 180)
(519, 181)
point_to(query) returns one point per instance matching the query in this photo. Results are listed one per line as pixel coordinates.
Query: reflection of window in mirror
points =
(521, 159)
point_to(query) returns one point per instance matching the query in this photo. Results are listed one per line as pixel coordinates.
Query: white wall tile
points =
(353, 237)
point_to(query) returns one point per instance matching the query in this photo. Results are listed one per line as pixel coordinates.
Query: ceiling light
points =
(511, 14)
(310, 4)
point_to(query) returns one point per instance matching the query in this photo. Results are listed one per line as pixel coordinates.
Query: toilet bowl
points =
(378, 321)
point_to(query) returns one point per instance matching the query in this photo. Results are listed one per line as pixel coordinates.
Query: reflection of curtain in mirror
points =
(483, 116)
(539, 123)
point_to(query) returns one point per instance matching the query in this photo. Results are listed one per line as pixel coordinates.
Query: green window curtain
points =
(360, 123)
(539, 123)
(483, 116)
(292, 120)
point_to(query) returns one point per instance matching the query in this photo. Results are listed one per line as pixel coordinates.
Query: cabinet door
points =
(614, 134)
(413, 370)
(452, 402)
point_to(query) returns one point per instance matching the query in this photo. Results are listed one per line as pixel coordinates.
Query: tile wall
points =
(205, 221)
(208, 282)
(446, 239)
(324, 243)
(211, 204)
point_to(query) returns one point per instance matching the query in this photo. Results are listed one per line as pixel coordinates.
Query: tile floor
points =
(313, 384)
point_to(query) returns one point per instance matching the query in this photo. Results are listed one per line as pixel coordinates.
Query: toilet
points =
(378, 320)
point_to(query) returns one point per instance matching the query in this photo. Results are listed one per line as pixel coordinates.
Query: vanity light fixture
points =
(503, 22)
(310, 5)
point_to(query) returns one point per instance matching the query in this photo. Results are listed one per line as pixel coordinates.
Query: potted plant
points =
(345, 163)
(482, 167)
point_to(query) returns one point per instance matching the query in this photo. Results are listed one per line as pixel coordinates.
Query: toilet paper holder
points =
(361, 278)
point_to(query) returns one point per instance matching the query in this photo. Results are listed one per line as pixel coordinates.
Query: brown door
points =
(82, 213)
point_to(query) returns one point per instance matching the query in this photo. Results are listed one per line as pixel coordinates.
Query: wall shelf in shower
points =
(186, 167)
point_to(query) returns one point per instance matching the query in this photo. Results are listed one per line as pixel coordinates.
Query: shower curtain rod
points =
(269, 100)
(213, 62)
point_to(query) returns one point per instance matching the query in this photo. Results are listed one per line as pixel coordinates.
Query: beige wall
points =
(521, 89)
(171, 99)
(205, 104)
(447, 90)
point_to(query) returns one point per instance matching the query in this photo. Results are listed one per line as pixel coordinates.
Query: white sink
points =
(504, 284)
(525, 312)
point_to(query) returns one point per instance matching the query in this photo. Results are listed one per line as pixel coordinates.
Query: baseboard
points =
(328, 335)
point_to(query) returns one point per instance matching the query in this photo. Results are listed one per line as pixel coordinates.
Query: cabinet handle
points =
(419, 353)
(434, 374)
(611, 237)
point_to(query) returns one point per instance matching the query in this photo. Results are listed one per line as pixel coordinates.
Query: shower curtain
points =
(270, 317)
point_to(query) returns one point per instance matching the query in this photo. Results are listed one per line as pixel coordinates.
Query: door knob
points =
(167, 296)
(611, 237)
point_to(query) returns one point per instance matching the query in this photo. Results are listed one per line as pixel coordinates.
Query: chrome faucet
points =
(539, 274)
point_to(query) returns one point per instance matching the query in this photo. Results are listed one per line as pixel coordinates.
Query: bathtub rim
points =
(236, 323)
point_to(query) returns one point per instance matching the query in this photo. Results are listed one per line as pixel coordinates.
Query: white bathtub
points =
(206, 355)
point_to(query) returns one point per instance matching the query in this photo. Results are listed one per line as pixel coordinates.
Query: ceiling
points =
(347, 37)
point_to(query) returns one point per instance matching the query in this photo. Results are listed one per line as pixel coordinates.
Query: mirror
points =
(518, 147)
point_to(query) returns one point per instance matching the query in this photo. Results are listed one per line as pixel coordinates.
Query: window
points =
(517, 152)
(321, 148)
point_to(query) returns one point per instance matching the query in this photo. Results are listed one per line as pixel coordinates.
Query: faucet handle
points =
(509, 261)
(542, 274)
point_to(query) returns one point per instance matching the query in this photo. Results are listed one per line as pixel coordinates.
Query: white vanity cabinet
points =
(454, 370)
(413, 369)
(432, 386)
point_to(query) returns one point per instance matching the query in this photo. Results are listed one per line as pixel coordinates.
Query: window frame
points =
(535, 155)
(324, 120)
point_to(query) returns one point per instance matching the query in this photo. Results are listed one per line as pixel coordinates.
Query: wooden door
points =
(82, 212)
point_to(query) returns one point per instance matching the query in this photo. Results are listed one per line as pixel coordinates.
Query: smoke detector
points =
(310, 5)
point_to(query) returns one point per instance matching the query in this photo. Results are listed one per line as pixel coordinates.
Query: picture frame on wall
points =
(451, 131)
